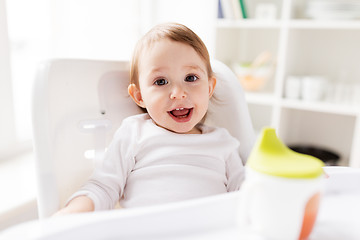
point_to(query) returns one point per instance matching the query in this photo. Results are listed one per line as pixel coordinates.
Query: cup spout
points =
(271, 156)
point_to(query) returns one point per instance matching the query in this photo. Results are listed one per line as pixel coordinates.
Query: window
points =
(7, 127)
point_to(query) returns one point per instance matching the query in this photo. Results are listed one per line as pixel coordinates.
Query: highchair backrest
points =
(78, 105)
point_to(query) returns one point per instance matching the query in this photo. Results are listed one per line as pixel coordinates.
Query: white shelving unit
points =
(300, 46)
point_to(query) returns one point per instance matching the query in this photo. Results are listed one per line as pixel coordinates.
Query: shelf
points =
(320, 129)
(324, 107)
(322, 24)
(293, 24)
(248, 23)
(302, 47)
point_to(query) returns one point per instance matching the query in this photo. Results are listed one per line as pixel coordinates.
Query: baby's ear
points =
(135, 94)
(212, 85)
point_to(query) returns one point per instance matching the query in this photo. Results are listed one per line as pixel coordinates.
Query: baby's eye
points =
(161, 82)
(191, 78)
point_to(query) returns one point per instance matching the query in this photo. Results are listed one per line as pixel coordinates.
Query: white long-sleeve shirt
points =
(146, 164)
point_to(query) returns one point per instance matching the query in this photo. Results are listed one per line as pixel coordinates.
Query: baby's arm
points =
(106, 185)
(77, 205)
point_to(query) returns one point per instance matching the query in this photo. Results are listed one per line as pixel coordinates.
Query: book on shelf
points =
(220, 10)
(232, 9)
(243, 9)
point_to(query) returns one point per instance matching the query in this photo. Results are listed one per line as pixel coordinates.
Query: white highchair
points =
(78, 105)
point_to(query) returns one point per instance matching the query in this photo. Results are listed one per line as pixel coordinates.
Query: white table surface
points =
(207, 218)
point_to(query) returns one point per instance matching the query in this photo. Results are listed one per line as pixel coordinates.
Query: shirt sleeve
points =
(235, 172)
(106, 185)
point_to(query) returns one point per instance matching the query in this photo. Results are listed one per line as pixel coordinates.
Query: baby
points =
(166, 154)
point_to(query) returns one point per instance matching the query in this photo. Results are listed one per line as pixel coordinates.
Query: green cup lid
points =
(270, 156)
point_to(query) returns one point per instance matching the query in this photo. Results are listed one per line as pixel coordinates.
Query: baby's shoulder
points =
(136, 119)
(132, 123)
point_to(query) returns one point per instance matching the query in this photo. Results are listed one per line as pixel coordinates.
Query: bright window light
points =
(45, 29)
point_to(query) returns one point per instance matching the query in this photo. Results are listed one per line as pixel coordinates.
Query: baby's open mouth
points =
(180, 113)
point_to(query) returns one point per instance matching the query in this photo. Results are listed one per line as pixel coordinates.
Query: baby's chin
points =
(193, 130)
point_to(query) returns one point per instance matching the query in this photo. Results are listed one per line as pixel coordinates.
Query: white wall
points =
(199, 15)
(94, 29)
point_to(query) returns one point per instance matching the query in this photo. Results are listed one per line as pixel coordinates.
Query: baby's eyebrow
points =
(195, 67)
(157, 69)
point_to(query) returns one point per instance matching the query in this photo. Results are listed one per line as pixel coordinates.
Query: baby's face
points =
(174, 86)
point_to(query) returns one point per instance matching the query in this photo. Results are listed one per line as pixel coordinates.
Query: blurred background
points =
(297, 60)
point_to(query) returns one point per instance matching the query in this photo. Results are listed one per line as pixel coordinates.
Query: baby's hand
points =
(77, 205)
(61, 212)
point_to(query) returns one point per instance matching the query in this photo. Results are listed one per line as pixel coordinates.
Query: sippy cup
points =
(281, 191)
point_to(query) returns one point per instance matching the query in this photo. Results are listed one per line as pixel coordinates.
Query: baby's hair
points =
(175, 32)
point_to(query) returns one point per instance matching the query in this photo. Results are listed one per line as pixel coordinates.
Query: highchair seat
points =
(79, 104)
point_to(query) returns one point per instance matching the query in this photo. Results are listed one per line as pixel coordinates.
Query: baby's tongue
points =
(178, 113)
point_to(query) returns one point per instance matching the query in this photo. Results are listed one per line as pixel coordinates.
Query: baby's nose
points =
(177, 92)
